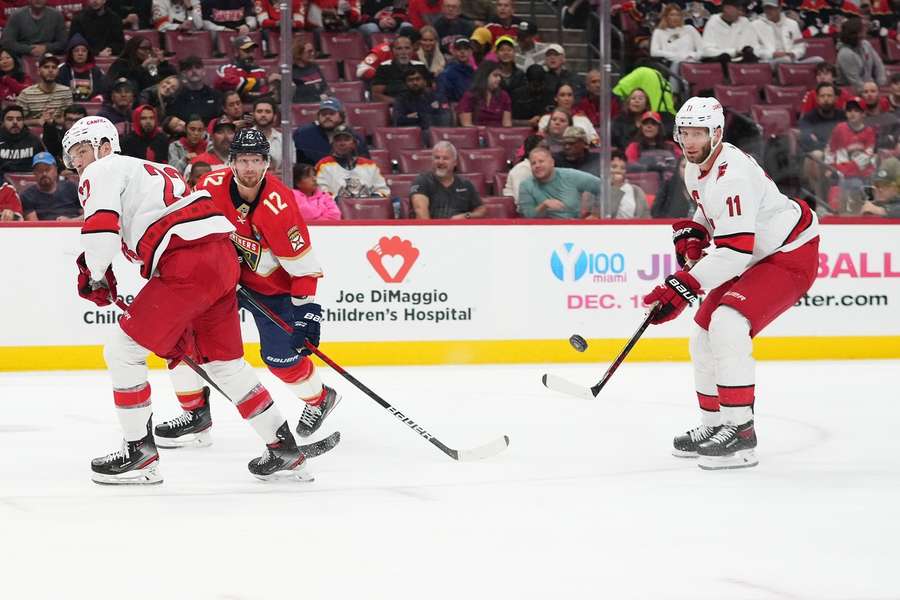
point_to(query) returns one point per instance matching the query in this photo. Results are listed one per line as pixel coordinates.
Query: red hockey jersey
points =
(271, 236)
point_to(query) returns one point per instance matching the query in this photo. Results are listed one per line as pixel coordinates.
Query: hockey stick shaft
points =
(595, 389)
(266, 312)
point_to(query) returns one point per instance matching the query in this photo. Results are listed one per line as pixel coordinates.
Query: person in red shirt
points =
(851, 150)
(10, 204)
(825, 73)
(424, 12)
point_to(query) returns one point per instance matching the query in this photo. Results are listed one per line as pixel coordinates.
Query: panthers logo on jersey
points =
(249, 250)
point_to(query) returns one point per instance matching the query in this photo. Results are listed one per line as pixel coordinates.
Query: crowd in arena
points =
(456, 109)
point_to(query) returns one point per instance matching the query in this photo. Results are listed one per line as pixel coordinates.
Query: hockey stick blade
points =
(481, 452)
(564, 386)
(322, 446)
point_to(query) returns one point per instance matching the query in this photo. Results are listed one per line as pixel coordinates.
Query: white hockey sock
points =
(704, 376)
(736, 415)
(134, 421)
(266, 423)
(732, 348)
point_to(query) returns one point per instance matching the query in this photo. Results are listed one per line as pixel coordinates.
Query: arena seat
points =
(382, 158)
(366, 208)
(646, 180)
(460, 137)
(343, 46)
(414, 161)
(791, 95)
(348, 91)
(508, 138)
(304, 113)
(702, 76)
(184, 44)
(20, 181)
(758, 74)
(367, 116)
(821, 46)
(395, 139)
(774, 119)
(500, 207)
(400, 184)
(483, 160)
(329, 68)
(799, 74)
(478, 180)
(739, 98)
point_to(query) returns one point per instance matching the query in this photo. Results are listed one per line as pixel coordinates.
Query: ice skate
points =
(281, 460)
(731, 447)
(685, 445)
(137, 463)
(313, 416)
(191, 429)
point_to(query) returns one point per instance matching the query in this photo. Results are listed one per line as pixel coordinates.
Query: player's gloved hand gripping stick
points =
(485, 451)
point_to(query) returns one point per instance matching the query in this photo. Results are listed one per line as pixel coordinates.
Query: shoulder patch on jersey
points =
(722, 168)
(295, 238)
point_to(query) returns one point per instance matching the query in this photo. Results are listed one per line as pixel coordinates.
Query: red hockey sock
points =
(191, 400)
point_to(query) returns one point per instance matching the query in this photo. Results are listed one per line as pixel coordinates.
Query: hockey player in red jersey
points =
(279, 268)
(181, 240)
(754, 252)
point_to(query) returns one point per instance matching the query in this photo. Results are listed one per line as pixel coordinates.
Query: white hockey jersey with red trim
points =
(746, 215)
(138, 205)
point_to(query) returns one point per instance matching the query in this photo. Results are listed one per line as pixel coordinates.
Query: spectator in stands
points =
(80, 73)
(162, 95)
(101, 27)
(429, 53)
(627, 123)
(857, 60)
(188, 147)
(243, 75)
(314, 204)
(481, 45)
(672, 200)
(56, 129)
(12, 78)
(511, 76)
(345, 174)
(729, 36)
(17, 144)
(383, 16)
(893, 96)
(141, 63)
(418, 106)
(313, 141)
(851, 150)
(228, 15)
(195, 171)
(10, 204)
(268, 17)
(560, 120)
(35, 31)
(221, 134)
(478, 11)
(390, 77)
(589, 105)
(873, 103)
(531, 101)
(825, 73)
(626, 201)
(554, 193)
(233, 110)
(173, 127)
(815, 131)
(451, 26)
(440, 193)
(195, 96)
(505, 22)
(651, 137)
(564, 98)
(673, 41)
(522, 169)
(531, 52)
(265, 113)
(174, 15)
(886, 200)
(780, 35)
(486, 103)
(457, 76)
(309, 81)
(50, 198)
(146, 140)
(44, 100)
(423, 12)
(121, 102)
(576, 153)
(557, 73)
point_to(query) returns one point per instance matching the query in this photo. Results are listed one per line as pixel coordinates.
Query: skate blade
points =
(684, 453)
(202, 439)
(299, 474)
(146, 476)
(739, 460)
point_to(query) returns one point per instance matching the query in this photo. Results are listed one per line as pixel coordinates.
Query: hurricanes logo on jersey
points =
(250, 250)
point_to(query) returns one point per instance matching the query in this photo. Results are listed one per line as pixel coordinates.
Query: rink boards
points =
(491, 292)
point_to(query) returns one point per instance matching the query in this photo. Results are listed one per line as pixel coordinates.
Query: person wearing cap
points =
(146, 140)
(101, 27)
(418, 105)
(345, 174)
(576, 152)
(80, 72)
(450, 25)
(442, 194)
(121, 102)
(50, 198)
(531, 100)
(557, 73)
(243, 75)
(886, 196)
(780, 36)
(313, 141)
(482, 45)
(851, 150)
(457, 75)
(221, 134)
(651, 137)
(195, 96)
(511, 76)
(729, 36)
(531, 51)
(35, 31)
(553, 193)
(390, 76)
(17, 144)
(44, 100)
(505, 23)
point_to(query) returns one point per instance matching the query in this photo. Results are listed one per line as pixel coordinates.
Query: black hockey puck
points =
(578, 342)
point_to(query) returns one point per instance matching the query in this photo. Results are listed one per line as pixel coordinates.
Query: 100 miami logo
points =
(570, 262)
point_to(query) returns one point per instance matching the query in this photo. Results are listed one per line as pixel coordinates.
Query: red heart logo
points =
(392, 258)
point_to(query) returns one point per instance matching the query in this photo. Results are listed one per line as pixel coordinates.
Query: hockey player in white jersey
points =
(181, 240)
(753, 252)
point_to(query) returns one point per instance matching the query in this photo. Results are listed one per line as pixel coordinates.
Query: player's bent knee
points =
(235, 377)
(126, 360)
(729, 329)
(698, 344)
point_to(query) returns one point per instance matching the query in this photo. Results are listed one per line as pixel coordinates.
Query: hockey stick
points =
(485, 451)
(564, 386)
(310, 450)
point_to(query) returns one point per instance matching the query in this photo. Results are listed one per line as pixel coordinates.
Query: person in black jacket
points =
(672, 200)
(146, 139)
(17, 145)
(101, 27)
(418, 106)
(80, 73)
(195, 96)
(141, 63)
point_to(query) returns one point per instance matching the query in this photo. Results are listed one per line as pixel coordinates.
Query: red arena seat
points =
(349, 91)
(20, 181)
(791, 95)
(342, 46)
(799, 74)
(329, 68)
(483, 160)
(758, 74)
(366, 208)
(395, 139)
(382, 158)
(460, 137)
(184, 44)
(508, 138)
(739, 98)
(367, 115)
(702, 76)
(414, 161)
(500, 207)
(478, 180)
(400, 184)
(774, 119)
(821, 46)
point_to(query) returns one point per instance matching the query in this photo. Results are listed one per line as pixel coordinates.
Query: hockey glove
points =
(307, 326)
(690, 239)
(678, 291)
(101, 292)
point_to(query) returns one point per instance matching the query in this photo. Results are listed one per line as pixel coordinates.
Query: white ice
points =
(585, 503)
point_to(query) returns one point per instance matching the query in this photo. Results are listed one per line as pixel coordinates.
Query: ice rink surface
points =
(586, 502)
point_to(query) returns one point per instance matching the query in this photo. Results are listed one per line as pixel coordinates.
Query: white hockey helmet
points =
(701, 112)
(90, 129)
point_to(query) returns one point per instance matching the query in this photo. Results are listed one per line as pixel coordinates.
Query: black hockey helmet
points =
(249, 141)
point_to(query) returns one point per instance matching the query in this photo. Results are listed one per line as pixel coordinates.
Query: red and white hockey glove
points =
(679, 290)
(98, 292)
(690, 239)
